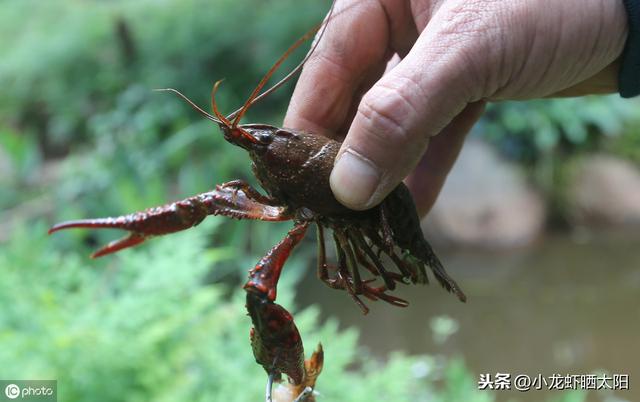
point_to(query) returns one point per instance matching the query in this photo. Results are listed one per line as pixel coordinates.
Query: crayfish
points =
(293, 168)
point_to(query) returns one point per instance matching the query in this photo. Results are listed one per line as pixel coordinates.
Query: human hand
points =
(393, 74)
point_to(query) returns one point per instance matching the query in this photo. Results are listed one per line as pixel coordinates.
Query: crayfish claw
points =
(303, 391)
(131, 240)
(120, 222)
(83, 223)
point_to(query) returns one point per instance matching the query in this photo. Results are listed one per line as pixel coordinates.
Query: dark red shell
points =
(294, 168)
(275, 340)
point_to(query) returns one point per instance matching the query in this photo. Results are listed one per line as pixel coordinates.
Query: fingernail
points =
(354, 179)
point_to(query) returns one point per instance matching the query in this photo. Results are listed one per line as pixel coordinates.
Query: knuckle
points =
(332, 66)
(471, 38)
(471, 18)
(386, 110)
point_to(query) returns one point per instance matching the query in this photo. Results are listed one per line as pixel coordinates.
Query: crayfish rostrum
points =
(376, 248)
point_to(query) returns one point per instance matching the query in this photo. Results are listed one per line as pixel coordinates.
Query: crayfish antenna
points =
(225, 124)
(255, 95)
(197, 108)
(269, 73)
(223, 120)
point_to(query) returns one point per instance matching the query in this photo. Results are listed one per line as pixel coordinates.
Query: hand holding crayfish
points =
(376, 249)
(393, 74)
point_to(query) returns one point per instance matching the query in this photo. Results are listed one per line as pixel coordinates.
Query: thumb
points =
(398, 115)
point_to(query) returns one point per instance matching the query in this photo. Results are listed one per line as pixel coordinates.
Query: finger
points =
(426, 181)
(367, 83)
(368, 80)
(604, 82)
(355, 41)
(407, 106)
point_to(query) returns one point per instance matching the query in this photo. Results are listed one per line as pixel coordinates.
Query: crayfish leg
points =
(235, 199)
(263, 278)
(386, 276)
(352, 264)
(352, 252)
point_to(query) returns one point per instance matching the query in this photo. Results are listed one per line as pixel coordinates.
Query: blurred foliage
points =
(77, 80)
(443, 327)
(71, 60)
(546, 136)
(532, 131)
(627, 144)
(146, 325)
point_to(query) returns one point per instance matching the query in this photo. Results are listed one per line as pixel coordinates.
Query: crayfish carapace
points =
(384, 244)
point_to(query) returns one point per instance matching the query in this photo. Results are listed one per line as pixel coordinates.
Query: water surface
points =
(568, 305)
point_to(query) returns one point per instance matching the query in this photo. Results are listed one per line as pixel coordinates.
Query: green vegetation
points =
(534, 131)
(146, 325)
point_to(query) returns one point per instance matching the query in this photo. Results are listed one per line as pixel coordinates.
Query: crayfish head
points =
(239, 137)
(252, 137)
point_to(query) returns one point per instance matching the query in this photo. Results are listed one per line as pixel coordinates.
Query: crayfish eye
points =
(262, 133)
(264, 137)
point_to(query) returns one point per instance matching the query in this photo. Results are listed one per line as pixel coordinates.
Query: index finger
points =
(355, 41)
